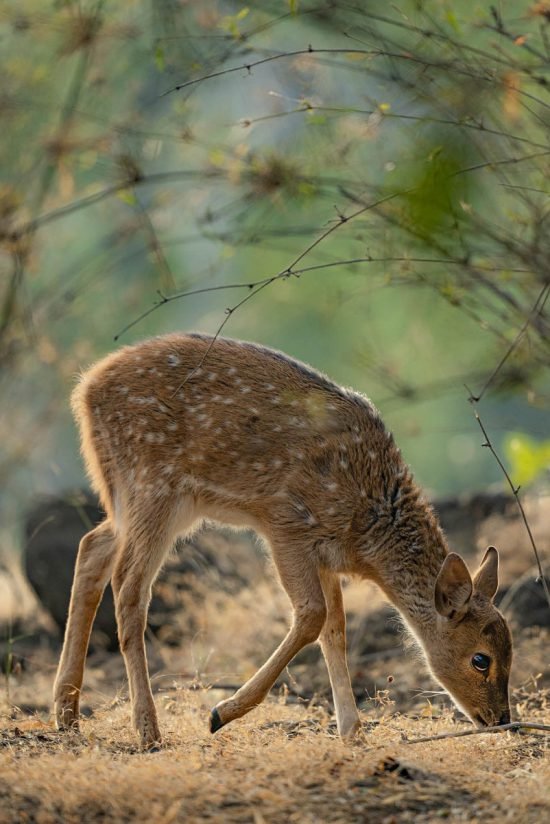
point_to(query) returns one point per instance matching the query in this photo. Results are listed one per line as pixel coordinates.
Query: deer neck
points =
(407, 564)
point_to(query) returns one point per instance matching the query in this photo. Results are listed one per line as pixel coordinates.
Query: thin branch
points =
(478, 127)
(406, 55)
(514, 726)
(515, 492)
(166, 277)
(502, 162)
(284, 274)
(103, 194)
(165, 299)
(537, 310)
(247, 67)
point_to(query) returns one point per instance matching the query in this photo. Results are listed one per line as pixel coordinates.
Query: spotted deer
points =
(184, 428)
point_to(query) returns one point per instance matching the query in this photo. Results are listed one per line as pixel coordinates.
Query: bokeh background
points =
(411, 140)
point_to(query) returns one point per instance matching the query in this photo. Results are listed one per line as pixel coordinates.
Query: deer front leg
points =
(93, 569)
(333, 644)
(302, 584)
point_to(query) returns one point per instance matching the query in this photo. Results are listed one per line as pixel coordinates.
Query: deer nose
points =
(504, 718)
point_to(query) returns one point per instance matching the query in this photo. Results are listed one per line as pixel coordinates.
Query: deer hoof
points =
(216, 722)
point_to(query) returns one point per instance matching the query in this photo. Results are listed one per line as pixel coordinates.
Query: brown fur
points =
(253, 438)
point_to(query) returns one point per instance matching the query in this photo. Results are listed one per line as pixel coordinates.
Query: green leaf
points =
(527, 458)
(127, 196)
(450, 16)
(159, 58)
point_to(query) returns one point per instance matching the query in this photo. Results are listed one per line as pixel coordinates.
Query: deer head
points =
(470, 653)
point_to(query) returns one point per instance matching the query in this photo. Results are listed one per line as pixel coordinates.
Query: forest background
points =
(362, 185)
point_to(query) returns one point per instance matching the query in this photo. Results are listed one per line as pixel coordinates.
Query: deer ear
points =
(453, 587)
(486, 578)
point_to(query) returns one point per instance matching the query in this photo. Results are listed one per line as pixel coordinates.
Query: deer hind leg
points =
(300, 579)
(138, 562)
(94, 564)
(333, 644)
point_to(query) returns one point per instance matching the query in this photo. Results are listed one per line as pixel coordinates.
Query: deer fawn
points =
(183, 428)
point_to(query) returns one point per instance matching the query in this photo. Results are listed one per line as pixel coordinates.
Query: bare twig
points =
(515, 726)
(284, 274)
(405, 55)
(537, 310)
(515, 492)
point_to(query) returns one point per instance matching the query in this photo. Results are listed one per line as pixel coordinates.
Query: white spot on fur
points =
(277, 428)
(173, 360)
(172, 426)
(228, 401)
(212, 376)
(269, 387)
(332, 486)
(246, 389)
(276, 401)
(277, 463)
(168, 469)
(123, 390)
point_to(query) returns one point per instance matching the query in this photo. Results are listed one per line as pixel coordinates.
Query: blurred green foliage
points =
(528, 459)
(386, 167)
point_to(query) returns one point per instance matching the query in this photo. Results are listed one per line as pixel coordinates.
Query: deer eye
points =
(481, 662)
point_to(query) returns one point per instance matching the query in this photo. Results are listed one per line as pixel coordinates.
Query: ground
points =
(283, 762)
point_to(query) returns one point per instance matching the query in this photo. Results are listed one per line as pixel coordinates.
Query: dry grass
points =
(283, 762)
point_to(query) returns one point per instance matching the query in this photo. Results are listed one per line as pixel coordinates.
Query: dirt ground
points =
(283, 762)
